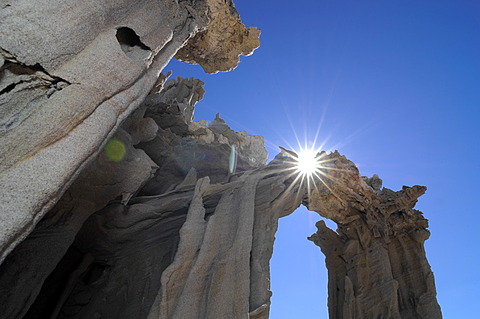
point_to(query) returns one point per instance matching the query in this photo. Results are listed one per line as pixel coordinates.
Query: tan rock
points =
(114, 204)
(376, 258)
(195, 241)
(226, 38)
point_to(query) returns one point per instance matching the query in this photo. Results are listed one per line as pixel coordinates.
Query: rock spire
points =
(116, 203)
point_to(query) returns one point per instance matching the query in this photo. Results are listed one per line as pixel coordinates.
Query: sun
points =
(309, 166)
(307, 162)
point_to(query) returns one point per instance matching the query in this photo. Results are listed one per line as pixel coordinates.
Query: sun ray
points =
(292, 185)
(299, 187)
(308, 187)
(326, 185)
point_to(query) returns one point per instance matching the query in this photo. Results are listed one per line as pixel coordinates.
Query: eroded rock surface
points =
(376, 259)
(115, 203)
(25, 269)
(70, 73)
(174, 228)
(217, 48)
(84, 241)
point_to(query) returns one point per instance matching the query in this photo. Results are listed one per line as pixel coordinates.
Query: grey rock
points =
(71, 74)
(28, 266)
(116, 204)
(174, 108)
(374, 182)
(219, 127)
(168, 231)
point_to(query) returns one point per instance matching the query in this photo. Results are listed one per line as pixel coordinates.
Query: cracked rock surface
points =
(70, 74)
(115, 203)
(217, 47)
(376, 260)
(172, 231)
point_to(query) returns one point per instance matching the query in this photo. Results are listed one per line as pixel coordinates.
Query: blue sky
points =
(393, 85)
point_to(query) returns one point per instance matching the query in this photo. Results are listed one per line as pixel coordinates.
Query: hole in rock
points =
(131, 44)
(129, 38)
(297, 268)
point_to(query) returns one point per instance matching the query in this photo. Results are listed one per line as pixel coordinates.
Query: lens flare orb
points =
(115, 150)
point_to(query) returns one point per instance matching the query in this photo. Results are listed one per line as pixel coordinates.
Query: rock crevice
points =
(165, 205)
(64, 131)
(115, 203)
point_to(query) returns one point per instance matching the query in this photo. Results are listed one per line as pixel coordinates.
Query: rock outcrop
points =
(376, 259)
(114, 203)
(70, 74)
(218, 47)
(168, 226)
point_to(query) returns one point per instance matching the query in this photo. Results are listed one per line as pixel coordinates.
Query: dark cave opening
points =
(128, 37)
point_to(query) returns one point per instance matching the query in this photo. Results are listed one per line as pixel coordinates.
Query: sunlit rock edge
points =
(177, 219)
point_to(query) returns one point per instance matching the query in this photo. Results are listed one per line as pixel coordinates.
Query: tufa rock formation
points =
(376, 260)
(114, 203)
(69, 79)
(212, 49)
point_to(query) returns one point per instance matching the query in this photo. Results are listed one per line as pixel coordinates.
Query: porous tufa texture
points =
(218, 48)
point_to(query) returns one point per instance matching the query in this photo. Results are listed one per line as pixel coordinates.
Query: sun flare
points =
(311, 170)
(307, 162)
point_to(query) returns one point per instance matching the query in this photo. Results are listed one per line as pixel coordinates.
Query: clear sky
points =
(394, 86)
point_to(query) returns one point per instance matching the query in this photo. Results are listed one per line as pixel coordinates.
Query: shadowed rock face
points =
(116, 204)
(376, 258)
(171, 231)
(70, 73)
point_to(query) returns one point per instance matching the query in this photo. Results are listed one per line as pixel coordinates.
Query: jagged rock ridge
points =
(124, 207)
(71, 73)
(198, 237)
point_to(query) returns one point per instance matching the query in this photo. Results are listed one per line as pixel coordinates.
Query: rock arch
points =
(148, 237)
(168, 230)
